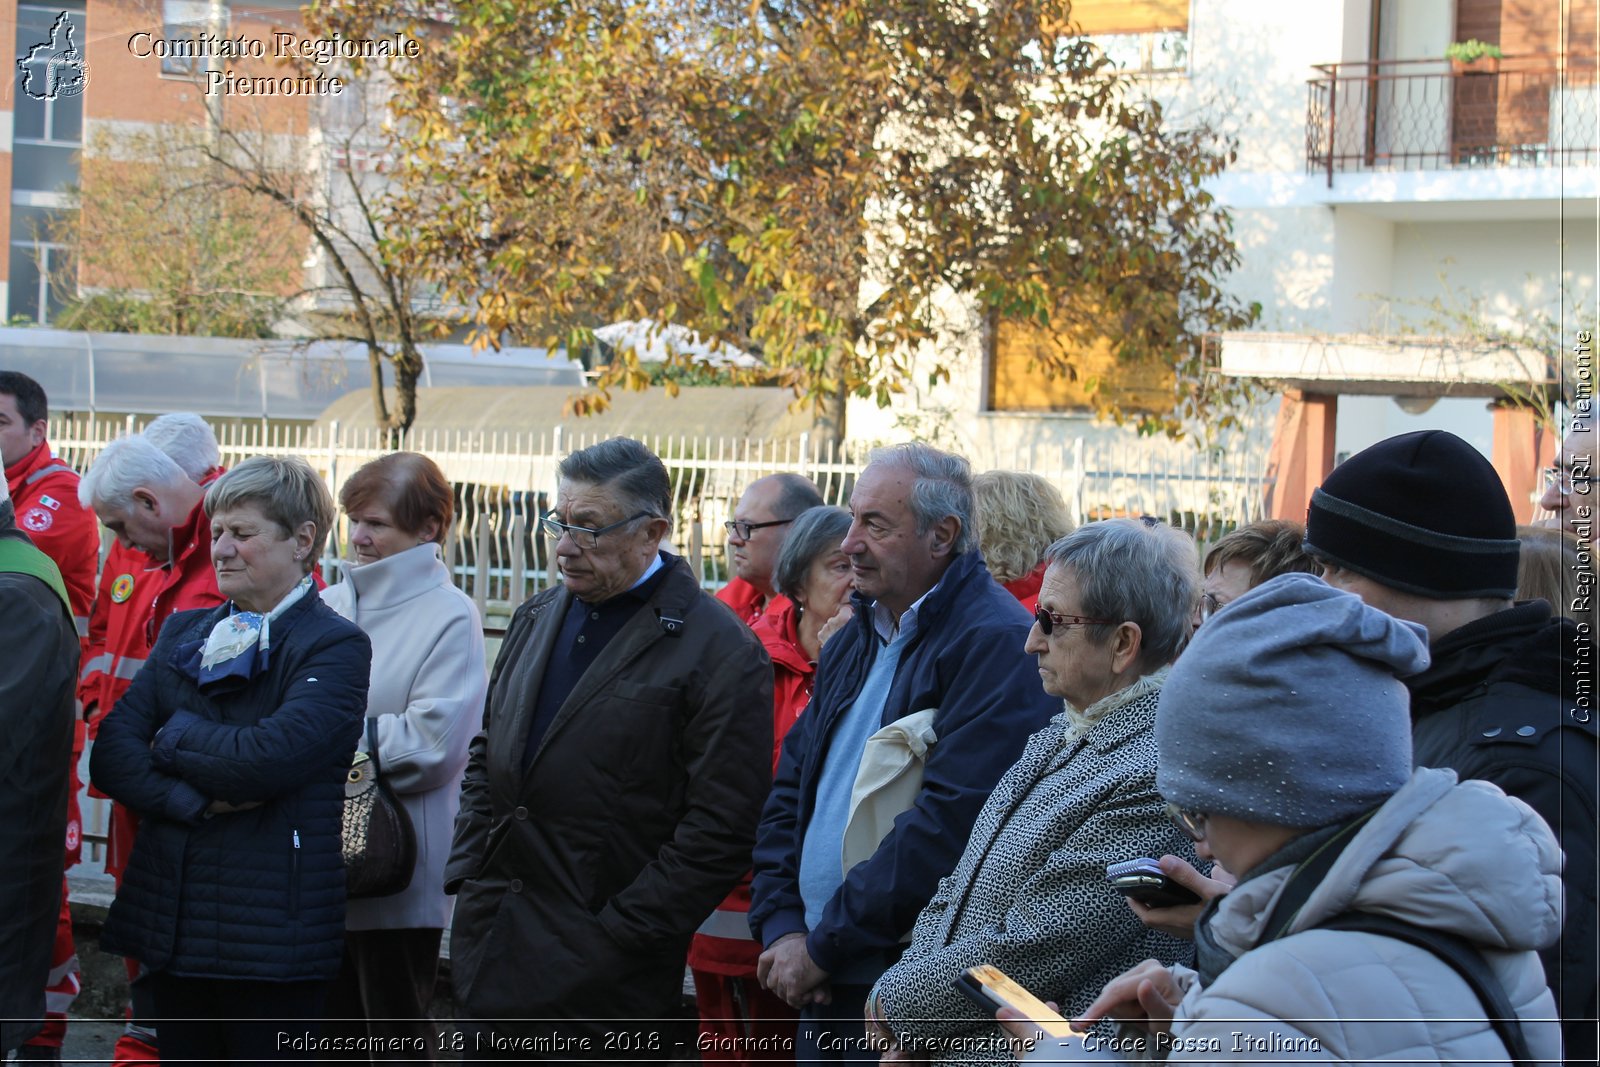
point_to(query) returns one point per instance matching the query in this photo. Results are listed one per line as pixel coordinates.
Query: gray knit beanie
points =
(1286, 708)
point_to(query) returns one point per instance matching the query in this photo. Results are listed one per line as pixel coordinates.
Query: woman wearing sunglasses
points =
(1029, 893)
(1285, 742)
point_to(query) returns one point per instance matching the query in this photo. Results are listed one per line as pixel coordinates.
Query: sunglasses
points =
(1049, 620)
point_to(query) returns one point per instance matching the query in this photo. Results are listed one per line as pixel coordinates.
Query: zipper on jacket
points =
(294, 878)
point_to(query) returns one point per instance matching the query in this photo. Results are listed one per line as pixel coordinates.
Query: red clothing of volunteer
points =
(748, 602)
(741, 1022)
(45, 493)
(117, 647)
(1026, 588)
(122, 627)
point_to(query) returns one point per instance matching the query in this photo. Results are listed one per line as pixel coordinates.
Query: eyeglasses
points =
(744, 529)
(1559, 479)
(1210, 604)
(1049, 620)
(582, 536)
(1192, 823)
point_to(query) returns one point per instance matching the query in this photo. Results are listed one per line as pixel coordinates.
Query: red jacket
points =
(724, 944)
(187, 579)
(747, 602)
(124, 622)
(117, 645)
(45, 493)
(1026, 588)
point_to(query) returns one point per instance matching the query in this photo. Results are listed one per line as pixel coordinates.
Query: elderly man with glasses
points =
(611, 800)
(755, 533)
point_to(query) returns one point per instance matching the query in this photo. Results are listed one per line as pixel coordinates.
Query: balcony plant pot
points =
(1481, 65)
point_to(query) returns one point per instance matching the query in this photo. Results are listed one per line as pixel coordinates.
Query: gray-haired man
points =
(611, 800)
(931, 630)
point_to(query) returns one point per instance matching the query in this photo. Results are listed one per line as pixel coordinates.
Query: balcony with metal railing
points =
(1536, 111)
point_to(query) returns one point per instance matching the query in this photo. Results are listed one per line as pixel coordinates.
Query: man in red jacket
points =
(148, 490)
(44, 492)
(755, 532)
(121, 617)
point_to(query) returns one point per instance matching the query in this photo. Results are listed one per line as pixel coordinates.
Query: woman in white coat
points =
(1285, 753)
(426, 703)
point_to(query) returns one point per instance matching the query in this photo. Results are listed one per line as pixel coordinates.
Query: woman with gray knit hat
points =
(1285, 753)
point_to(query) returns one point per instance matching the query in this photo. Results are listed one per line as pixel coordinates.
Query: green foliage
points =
(225, 315)
(1471, 50)
(157, 247)
(819, 182)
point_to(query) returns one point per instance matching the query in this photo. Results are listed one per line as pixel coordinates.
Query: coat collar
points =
(779, 632)
(185, 656)
(37, 458)
(385, 583)
(669, 604)
(953, 585)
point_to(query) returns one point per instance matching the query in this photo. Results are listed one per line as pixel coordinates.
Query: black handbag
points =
(380, 844)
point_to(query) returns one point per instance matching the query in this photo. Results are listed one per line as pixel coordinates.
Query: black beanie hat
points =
(1424, 513)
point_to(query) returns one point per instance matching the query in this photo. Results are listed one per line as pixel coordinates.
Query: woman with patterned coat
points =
(1029, 893)
(1354, 869)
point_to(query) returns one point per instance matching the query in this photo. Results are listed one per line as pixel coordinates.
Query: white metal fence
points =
(505, 482)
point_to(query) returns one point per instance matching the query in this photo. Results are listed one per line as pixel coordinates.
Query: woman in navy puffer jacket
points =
(232, 746)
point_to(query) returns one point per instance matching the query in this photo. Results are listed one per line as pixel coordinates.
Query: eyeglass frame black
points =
(752, 527)
(548, 519)
(1210, 605)
(1192, 824)
(1049, 620)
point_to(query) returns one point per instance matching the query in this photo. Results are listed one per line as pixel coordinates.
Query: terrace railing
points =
(1423, 114)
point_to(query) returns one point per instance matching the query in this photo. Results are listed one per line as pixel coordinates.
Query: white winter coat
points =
(428, 685)
(1464, 858)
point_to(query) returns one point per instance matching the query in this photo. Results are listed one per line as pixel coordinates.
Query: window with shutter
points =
(1026, 373)
(1143, 36)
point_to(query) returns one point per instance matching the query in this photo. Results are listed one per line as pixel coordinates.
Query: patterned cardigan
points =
(1029, 893)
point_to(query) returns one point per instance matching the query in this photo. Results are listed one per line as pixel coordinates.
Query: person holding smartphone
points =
(1359, 877)
(1029, 893)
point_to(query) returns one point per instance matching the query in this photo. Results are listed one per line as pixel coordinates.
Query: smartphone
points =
(991, 989)
(1142, 880)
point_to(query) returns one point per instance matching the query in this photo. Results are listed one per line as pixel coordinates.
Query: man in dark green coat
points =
(36, 684)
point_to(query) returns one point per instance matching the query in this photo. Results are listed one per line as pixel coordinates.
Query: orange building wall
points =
(8, 92)
(125, 87)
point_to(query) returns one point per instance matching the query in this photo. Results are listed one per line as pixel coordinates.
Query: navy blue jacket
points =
(966, 659)
(258, 893)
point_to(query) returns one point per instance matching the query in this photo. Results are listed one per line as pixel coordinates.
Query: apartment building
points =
(94, 77)
(1379, 195)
